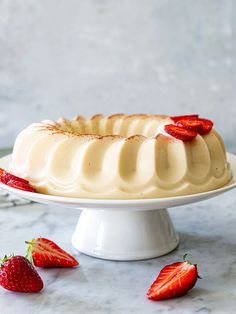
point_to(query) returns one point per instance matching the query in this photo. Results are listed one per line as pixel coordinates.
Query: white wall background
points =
(68, 57)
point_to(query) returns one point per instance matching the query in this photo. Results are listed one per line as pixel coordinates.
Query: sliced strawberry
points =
(15, 182)
(1, 171)
(21, 185)
(18, 274)
(46, 253)
(207, 126)
(180, 133)
(173, 280)
(188, 116)
(193, 124)
(7, 176)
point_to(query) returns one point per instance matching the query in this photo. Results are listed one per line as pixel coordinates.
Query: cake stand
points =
(123, 230)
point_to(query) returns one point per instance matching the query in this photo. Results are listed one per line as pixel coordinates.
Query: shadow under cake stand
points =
(123, 230)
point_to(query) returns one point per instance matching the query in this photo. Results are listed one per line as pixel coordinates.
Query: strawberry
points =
(7, 176)
(20, 185)
(188, 116)
(1, 172)
(15, 182)
(46, 253)
(199, 125)
(193, 124)
(173, 280)
(207, 126)
(180, 133)
(18, 274)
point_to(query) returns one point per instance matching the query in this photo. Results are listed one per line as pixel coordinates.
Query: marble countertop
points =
(207, 233)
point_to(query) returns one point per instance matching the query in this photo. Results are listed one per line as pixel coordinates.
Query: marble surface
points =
(63, 58)
(207, 233)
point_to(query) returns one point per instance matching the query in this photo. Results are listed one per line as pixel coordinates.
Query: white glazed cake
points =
(119, 157)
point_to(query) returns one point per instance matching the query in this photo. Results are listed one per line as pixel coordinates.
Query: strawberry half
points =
(7, 176)
(18, 274)
(180, 133)
(187, 116)
(199, 125)
(207, 126)
(21, 186)
(1, 172)
(46, 253)
(173, 280)
(193, 124)
(15, 182)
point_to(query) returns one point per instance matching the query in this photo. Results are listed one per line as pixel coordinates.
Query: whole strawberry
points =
(18, 274)
(46, 253)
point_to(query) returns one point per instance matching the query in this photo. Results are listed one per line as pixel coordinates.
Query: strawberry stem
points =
(29, 242)
(29, 252)
(186, 260)
(5, 259)
(184, 256)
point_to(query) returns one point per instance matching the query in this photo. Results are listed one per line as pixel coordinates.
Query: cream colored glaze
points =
(117, 157)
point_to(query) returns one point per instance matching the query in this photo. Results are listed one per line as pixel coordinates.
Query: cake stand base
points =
(125, 235)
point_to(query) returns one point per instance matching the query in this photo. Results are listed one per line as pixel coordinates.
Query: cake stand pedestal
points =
(123, 230)
(124, 234)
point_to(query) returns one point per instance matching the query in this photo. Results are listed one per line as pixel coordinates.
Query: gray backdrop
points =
(68, 57)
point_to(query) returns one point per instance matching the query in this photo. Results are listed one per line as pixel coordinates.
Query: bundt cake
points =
(122, 156)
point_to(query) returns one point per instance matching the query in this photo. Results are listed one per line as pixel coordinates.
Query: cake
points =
(122, 156)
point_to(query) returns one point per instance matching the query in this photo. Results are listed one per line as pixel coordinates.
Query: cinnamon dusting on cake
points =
(97, 116)
(116, 115)
(136, 137)
(77, 126)
(79, 118)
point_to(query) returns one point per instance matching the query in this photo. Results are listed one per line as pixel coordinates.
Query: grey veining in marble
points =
(207, 232)
(61, 58)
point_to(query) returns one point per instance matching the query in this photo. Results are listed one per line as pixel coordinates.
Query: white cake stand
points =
(123, 229)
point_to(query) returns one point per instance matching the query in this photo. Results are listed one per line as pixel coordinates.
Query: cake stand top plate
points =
(133, 204)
